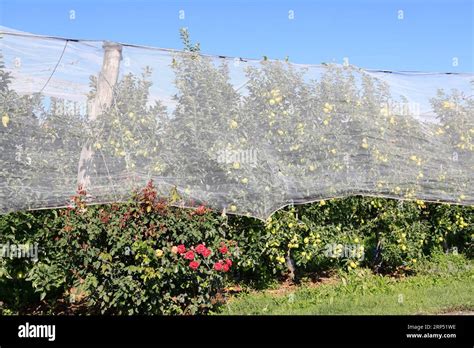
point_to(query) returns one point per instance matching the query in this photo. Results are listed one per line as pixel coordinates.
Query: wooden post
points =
(103, 99)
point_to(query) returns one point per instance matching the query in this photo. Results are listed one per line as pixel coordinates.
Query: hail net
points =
(246, 136)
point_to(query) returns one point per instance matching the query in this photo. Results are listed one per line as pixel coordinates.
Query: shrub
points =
(444, 265)
(384, 234)
(140, 257)
(18, 230)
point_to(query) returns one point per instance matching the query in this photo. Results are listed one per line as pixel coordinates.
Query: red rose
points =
(181, 249)
(189, 255)
(223, 249)
(218, 266)
(228, 262)
(225, 267)
(207, 252)
(200, 249)
(194, 264)
(201, 210)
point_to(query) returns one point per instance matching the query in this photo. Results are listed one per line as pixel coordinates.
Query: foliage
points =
(289, 134)
(310, 139)
(124, 258)
(363, 293)
(32, 141)
(386, 235)
(141, 257)
(125, 136)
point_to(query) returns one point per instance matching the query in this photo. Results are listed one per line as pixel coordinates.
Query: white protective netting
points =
(245, 136)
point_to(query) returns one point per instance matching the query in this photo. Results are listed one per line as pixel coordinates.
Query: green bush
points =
(18, 229)
(444, 265)
(386, 235)
(141, 257)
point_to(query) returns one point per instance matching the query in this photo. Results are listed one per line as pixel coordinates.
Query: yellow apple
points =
(5, 120)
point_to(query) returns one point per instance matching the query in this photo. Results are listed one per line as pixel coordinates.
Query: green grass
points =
(443, 284)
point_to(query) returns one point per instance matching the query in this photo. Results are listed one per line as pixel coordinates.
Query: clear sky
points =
(417, 35)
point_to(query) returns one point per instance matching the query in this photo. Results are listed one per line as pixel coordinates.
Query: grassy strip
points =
(436, 289)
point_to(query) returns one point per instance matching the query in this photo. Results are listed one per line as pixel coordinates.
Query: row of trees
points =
(284, 140)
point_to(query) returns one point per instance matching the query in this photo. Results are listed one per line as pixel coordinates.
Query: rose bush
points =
(140, 257)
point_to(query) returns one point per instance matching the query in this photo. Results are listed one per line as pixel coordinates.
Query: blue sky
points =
(430, 37)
